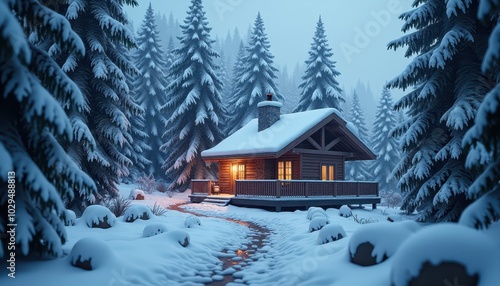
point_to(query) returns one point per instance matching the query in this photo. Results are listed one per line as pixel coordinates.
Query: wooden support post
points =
(374, 206)
(335, 189)
(358, 190)
(306, 189)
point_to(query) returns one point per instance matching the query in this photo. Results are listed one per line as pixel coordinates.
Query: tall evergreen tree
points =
(194, 105)
(385, 146)
(103, 148)
(447, 87)
(36, 172)
(150, 59)
(257, 79)
(138, 146)
(358, 171)
(483, 138)
(320, 88)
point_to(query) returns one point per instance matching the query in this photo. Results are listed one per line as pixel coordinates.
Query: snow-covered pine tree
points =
(385, 146)
(237, 72)
(149, 87)
(257, 79)
(36, 172)
(320, 88)
(447, 84)
(483, 138)
(101, 76)
(358, 170)
(194, 105)
(224, 78)
(138, 147)
(169, 55)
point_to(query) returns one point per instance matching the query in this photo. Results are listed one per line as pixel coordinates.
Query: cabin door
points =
(237, 173)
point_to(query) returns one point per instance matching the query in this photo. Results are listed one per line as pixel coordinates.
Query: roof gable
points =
(281, 137)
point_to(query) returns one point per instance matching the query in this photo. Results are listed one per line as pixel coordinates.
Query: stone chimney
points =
(269, 112)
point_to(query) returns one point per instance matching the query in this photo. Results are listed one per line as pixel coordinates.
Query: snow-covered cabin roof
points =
(283, 136)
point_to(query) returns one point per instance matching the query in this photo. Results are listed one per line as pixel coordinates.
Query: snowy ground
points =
(292, 255)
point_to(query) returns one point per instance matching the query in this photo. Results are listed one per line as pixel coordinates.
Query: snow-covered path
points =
(234, 258)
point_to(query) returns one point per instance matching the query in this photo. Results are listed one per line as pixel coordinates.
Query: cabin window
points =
(239, 171)
(327, 172)
(284, 170)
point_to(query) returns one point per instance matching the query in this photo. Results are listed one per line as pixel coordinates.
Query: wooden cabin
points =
(294, 156)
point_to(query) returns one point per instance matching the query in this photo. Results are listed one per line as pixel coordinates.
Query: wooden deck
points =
(289, 194)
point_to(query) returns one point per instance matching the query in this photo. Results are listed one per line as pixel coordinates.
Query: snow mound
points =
(318, 223)
(69, 217)
(331, 232)
(180, 236)
(447, 251)
(135, 212)
(345, 211)
(90, 253)
(313, 210)
(192, 221)
(374, 243)
(395, 218)
(98, 216)
(136, 195)
(153, 229)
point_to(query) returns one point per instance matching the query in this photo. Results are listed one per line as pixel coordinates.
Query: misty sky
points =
(358, 31)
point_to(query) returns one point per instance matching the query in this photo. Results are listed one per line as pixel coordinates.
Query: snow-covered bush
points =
(137, 195)
(153, 229)
(391, 199)
(180, 236)
(146, 183)
(331, 232)
(157, 209)
(319, 214)
(318, 223)
(69, 217)
(446, 252)
(313, 210)
(345, 211)
(192, 221)
(137, 212)
(98, 216)
(394, 218)
(117, 205)
(374, 243)
(90, 253)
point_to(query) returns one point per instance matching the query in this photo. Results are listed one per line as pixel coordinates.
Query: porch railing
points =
(304, 188)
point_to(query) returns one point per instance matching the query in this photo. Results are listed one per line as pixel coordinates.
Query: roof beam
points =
(322, 152)
(333, 143)
(314, 143)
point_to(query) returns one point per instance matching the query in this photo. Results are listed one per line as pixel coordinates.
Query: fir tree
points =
(150, 89)
(483, 138)
(194, 105)
(358, 171)
(257, 79)
(447, 85)
(103, 130)
(37, 173)
(138, 147)
(238, 71)
(384, 145)
(320, 88)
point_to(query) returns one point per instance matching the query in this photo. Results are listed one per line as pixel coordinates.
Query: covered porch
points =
(292, 193)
